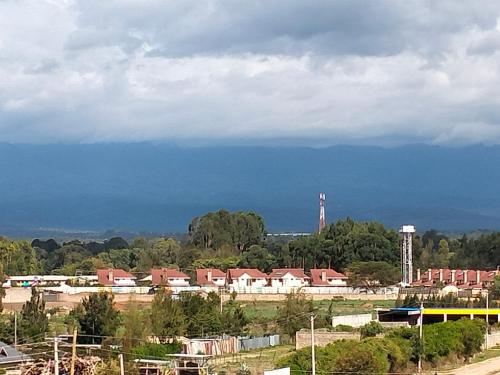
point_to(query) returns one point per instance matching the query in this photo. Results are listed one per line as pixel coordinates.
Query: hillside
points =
(159, 187)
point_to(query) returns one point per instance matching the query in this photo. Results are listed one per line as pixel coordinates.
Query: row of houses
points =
(233, 279)
(462, 279)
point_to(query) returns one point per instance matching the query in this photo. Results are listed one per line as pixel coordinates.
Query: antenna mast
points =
(322, 219)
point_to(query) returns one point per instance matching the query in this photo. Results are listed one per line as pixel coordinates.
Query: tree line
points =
(225, 240)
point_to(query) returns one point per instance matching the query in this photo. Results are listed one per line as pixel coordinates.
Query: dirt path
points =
(489, 367)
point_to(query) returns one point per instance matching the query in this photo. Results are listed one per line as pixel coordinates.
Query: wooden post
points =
(73, 353)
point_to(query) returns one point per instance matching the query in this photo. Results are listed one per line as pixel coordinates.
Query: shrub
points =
(371, 329)
(344, 328)
(346, 356)
(152, 350)
(463, 338)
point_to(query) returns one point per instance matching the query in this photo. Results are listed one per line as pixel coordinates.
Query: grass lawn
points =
(267, 310)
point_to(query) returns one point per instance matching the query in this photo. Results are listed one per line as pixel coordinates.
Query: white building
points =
(291, 278)
(245, 279)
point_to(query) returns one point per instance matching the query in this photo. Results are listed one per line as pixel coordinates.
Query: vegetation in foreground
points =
(397, 351)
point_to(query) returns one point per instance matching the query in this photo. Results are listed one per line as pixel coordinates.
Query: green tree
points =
(162, 253)
(239, 229)
(34, 322)
(96, 316)
(371, 329)
(257, 257)
(202, 314)
(442, 255)
(373, 274)
(294, 314)
(135, 326)
(234, 318)
(167, 317)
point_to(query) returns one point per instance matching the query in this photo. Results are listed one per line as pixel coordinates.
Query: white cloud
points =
(341, 72)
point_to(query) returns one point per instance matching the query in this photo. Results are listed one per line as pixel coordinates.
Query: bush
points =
(346, 356)
(408, 340)
(463, 338)
(344, 328)
(371, 329)
(152, 350)
(392, 353)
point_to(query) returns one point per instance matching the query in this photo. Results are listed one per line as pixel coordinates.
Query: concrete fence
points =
(352, 320)
(322, 337)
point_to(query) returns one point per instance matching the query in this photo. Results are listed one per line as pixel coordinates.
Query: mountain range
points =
(155, 187)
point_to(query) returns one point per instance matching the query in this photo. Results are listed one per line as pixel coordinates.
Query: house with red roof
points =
(169, 277)
(462, 279)
(327, 277)
(211, 277)
(288, 278)
(245, 279)
(115, 277)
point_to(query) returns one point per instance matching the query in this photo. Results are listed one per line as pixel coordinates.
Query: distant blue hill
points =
(159, 188)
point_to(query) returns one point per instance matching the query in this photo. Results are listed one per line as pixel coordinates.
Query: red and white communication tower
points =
(322, 219)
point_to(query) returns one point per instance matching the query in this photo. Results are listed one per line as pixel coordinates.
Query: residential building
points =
(210, 277)
(462, 279)
(327, 277)
(288, 278)
(241, 279)
(115, 277)
(169, 277)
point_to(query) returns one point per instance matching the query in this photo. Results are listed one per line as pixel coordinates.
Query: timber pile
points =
(83, 366)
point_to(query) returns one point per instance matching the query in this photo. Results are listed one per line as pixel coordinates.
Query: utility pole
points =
(122, 366)
(421, 336)
(73, 353)
(56, 357)
(15, 329)
(313, 354)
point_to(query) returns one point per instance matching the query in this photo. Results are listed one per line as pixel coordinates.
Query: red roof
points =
(278, 273)
(317, 273)
(107, 276)
(202, 276)
(161, 275)
(235, 273)
(484, 276)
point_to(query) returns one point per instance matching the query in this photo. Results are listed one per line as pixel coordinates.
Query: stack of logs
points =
(83, 366)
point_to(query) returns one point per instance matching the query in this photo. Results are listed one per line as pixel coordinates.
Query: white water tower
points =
(407, 254)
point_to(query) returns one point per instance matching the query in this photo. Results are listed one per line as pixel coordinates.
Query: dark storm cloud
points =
(339, 71)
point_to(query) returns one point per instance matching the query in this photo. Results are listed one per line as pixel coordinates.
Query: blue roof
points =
(405, 309)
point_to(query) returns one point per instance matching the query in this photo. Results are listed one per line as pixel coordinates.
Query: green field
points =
(267, 311)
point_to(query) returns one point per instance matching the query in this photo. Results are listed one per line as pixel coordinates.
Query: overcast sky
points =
(306, 72)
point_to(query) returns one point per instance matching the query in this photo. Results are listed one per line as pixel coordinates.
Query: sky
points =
(262, 72)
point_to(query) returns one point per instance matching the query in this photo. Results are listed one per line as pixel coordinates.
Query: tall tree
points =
(373, 274)
(34, 322)
(294, 313)
(202, 314)
(239, 229)
(443, 255)
(167, 316)
(97, 317)
(234, 318)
